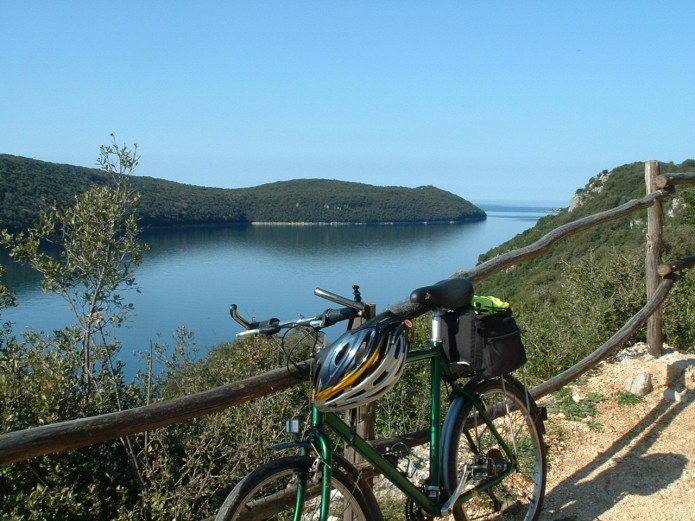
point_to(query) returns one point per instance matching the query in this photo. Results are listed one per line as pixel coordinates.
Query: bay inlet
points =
(191, 276)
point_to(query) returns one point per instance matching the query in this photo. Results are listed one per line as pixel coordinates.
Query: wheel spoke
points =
(519, 495)
(270, 493)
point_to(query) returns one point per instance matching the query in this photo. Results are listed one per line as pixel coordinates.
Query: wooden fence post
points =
(655, 323)
(364, 420)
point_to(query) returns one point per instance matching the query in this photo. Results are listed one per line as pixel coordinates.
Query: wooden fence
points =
(70, 435)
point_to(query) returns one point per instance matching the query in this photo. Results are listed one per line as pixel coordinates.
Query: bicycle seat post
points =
(437, 325)
(434, 487)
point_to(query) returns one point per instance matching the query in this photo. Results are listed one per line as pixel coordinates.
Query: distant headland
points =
(28, 185)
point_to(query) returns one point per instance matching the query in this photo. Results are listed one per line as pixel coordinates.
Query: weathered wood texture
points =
(613, 343)
(664, 180)
(655, 246)
(363, 418)
(676, 265)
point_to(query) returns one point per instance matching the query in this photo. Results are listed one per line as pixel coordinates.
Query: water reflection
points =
(190, 276)
(301, 240)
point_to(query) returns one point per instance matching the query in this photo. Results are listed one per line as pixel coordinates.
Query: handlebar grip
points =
(333, 316)
(267, 327)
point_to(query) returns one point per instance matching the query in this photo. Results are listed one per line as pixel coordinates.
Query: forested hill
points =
(540, 278)
(27, 185)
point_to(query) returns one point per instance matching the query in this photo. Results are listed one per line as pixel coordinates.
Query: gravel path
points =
(630, 462)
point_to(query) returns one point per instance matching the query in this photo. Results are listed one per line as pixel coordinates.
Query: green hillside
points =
(605, 191)
(575, 297)
(27, 185)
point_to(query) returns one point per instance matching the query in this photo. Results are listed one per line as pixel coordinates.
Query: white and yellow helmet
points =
(361, 365)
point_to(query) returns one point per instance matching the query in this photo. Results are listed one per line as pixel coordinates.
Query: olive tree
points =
(97, 245)
(6, 300)
(86, 252)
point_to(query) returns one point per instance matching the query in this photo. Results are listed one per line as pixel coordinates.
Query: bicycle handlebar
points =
(329, 317)
(343, 301)
(333, 316)
(267, 327)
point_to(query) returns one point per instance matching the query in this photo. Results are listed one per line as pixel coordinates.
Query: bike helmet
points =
(361, 365)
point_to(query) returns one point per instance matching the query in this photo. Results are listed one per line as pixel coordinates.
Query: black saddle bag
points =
(486, 344)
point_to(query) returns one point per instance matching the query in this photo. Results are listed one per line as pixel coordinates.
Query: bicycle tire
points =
(519, 421)
(268, 493)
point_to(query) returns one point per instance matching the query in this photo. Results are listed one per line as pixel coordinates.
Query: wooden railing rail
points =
(74, 434)
(542, 245)
(664, 180)
(631, 326)
(677, 265)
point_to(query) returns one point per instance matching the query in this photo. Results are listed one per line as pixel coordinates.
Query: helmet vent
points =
(381, 378)
(341, 354)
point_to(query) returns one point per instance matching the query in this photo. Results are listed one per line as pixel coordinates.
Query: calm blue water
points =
(190, 277)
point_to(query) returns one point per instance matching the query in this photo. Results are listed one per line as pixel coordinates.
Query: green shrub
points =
(595, 298)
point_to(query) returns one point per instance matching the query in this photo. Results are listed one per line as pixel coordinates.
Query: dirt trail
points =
(637, 461)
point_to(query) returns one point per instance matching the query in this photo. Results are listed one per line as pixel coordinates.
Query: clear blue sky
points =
(515, 100)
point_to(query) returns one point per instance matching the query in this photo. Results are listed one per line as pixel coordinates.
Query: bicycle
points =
(487, 455)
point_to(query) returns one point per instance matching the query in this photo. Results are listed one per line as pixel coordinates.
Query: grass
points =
(585, 409)
(625, 398)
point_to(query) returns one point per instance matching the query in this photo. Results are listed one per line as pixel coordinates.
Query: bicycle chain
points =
(413, 512)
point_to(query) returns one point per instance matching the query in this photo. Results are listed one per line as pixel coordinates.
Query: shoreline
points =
(341, 223)
(183, 226)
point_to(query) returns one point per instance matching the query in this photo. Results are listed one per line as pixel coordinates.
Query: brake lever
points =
(238, 318)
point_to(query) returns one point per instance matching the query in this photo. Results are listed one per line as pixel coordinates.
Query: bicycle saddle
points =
(448, 293)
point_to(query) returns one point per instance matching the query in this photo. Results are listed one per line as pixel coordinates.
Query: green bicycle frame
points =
(429, 502)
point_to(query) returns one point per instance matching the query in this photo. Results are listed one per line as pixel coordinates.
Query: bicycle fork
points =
(322, 446)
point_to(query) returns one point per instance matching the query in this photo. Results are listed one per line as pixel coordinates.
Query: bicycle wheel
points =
(270, 493)
(472, 446)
